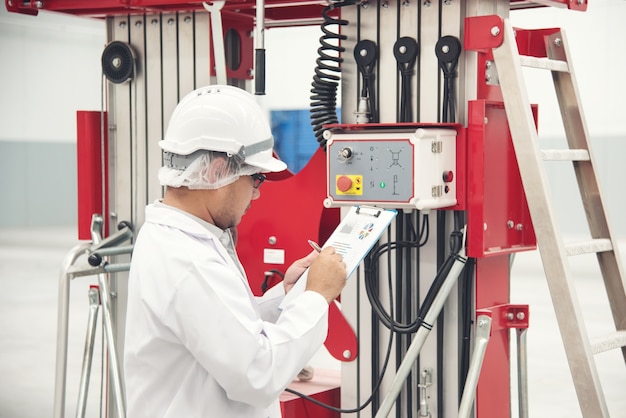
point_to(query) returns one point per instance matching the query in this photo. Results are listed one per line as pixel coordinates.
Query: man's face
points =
(235, 199)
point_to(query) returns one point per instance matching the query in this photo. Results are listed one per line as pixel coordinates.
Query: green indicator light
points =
(382, 184)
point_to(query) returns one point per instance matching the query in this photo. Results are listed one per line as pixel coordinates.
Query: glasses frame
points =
(257, 179)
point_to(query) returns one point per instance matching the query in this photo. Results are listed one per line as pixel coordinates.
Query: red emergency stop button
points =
(344, 183)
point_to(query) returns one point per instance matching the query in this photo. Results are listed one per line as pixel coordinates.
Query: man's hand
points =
(327, 275)
(298, 267)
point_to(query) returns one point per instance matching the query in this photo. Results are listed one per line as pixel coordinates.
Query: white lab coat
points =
(198, 342)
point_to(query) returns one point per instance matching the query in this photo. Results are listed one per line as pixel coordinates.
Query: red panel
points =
(89, 169)
(242, 25)
(498, 218)
(290, 212)
(493, 394)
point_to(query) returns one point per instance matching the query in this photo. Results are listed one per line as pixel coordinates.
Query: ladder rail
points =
(576, 131)
(534, 180)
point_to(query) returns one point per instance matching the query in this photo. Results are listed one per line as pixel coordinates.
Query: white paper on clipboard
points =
(353, 238)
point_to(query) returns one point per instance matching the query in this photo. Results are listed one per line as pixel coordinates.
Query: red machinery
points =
(489, 198)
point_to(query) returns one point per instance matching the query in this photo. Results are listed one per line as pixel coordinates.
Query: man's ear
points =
(217, 169)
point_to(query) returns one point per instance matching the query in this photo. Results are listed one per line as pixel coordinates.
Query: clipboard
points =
(353, 238)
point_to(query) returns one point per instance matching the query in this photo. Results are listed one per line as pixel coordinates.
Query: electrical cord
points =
(323, 107)
(448, 51)
(366, 57)
(405, 50)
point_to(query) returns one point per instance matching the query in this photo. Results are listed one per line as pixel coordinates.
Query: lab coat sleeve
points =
(252, 360)
(270, 301)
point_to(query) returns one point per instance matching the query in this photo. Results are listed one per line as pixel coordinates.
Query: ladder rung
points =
(544, 63)
(588, 247)
(565, 154)
(608, 342)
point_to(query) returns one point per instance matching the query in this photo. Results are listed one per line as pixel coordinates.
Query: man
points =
(198, 342)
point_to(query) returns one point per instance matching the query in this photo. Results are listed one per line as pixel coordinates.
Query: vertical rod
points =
(94, 305)
(62, 329)
(522, 372)
(469, 392)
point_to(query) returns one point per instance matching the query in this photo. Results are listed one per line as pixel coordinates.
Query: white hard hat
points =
(225, 119)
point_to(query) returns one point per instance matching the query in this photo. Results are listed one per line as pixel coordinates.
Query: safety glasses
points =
(257, 179)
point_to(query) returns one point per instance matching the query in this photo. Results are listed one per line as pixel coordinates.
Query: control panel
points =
(392, 168)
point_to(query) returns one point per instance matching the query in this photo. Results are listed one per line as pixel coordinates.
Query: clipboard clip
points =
(376, 214)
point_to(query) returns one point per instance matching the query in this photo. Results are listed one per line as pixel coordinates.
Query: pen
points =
(315, 246)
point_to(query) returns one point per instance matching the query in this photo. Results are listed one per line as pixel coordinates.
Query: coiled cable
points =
(325, 82)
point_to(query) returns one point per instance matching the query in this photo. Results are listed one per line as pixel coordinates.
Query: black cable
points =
(448, 51)
(323, 107)
(405, 50)
(366, 57)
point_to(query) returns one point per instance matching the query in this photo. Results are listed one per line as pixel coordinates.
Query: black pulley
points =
(448, 49)
(118, 62)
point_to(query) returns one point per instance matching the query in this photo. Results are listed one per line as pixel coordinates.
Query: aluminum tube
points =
(522, 372)
(469, 393)
(114, 364)
(217, 38)
(420, 337)
(62, 329)
(94, 305)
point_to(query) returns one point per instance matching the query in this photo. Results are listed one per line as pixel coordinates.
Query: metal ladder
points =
(554, 252)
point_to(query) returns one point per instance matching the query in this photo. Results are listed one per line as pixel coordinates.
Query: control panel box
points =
(392, 169)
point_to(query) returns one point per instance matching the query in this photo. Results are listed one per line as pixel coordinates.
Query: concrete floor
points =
(30, 262)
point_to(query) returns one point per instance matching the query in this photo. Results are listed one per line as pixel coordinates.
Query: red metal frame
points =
(89, 169)
(498, 218)
(275, 10)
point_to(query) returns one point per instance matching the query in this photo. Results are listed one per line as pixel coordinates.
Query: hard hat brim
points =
(265, 163)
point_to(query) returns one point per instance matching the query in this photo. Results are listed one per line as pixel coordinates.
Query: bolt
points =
(482, 323)
(510, 316)
(365, 5)
(445, 49)
(39, 4)
(489, 64)
(10, 3)
(138, 24)
(519, 227)
(447, 2)
(486, 120)
(427, 3)
(520, 316)
(272, 240)
(187, 19)
(495, 31)
(347, 354)
(363, 52)
(402, 49)
(170, 21)
(385, 4)
(510, 224)
(558, 42)
(122, 24)
(485, 226)
(116, 62)
(406, 3)
(154, 22)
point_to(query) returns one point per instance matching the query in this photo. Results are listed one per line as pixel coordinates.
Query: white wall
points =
(51, 69)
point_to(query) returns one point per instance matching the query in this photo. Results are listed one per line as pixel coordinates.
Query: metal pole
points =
(522, 372)
(469, 393)
(62, 328)
(94, 305)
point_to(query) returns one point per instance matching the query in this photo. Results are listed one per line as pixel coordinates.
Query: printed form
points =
(353, 238)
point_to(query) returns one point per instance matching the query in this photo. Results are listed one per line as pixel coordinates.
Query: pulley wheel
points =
(118, 62)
